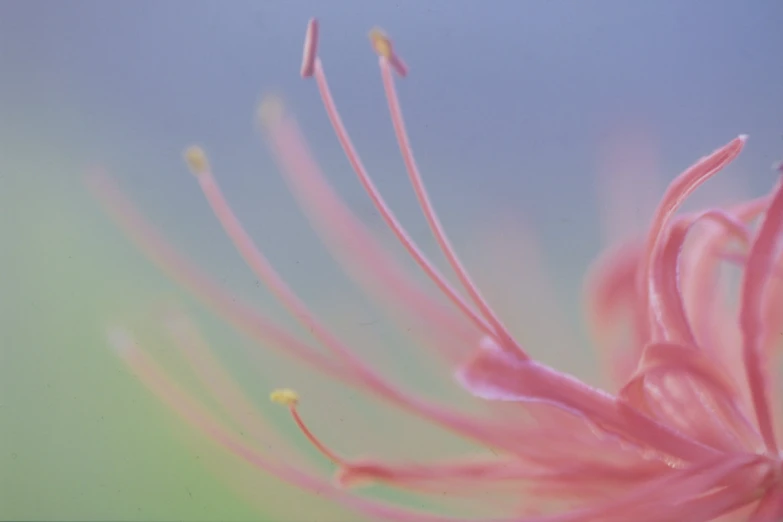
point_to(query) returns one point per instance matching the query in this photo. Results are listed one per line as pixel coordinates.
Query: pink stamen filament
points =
(320, 446)
(501, 435)
(505, 338)
(383, 209)
(158, 382)
(353, 246)
(269, 276)
(390, 61)
(177, 266)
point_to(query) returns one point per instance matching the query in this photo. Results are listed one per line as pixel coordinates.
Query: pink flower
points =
(689, 434)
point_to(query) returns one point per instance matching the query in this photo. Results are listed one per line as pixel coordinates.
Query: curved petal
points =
(495, 375)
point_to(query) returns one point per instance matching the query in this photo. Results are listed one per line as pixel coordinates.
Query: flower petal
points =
(496, 375)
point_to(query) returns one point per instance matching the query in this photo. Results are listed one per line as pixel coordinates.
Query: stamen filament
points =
(357, 369)
(290, 399)
(173, 263)
(505, 338)
(380, 204)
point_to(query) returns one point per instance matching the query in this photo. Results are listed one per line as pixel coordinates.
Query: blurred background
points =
(525, 116)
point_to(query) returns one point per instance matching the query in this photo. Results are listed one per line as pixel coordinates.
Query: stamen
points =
(357, 371)
(268, 275)
(388, 216)
(196, 159)
(284, 396)
(310, 49)
(383, 46)
(290, 399)
(380, 42)
(182, 270)
(361, 257)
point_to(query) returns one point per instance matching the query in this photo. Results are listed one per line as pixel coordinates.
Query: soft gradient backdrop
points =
(518, 110)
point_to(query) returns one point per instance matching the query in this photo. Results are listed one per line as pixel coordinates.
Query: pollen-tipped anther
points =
(288, 397)
(284, 396)
(382, 45)
(196, 159)
(310, 49)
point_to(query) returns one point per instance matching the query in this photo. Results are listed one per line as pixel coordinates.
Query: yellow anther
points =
(381, 43)
(197, 160)
(271, 110)
(284, 396)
